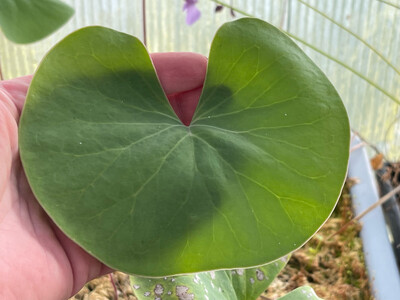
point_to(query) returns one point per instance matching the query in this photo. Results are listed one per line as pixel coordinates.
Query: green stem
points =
(233, 8)
(144, 22)
(392, 97)
(345, 66)
(390, 3)
(372, 48)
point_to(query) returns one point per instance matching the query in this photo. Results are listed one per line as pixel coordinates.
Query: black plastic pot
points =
(391, 211)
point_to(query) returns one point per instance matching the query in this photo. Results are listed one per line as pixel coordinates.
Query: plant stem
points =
(233, 8)
(345, 66)
(390, 3)
(373, 147)
(144, 22)
(369, 209)
(372, 48)
(289, 15)
(113, 285)
(283, 16)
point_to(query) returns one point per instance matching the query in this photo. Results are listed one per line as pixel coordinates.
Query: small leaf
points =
(301, 293)
(239, 284)
(254, 175)
(25, 21)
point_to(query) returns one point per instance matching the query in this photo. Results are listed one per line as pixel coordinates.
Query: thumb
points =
(16, 90)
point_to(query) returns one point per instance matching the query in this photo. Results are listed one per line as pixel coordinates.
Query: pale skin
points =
(37, 261)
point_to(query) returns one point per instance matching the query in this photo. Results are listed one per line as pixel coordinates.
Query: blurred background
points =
(355, 42)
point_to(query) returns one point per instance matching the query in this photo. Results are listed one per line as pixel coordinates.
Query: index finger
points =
(180, 71)
(182, 77)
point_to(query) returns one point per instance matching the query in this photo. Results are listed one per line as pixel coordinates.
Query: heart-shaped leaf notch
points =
(255, 174)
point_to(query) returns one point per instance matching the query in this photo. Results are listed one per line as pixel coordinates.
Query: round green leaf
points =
(255, 174)
(26, 21)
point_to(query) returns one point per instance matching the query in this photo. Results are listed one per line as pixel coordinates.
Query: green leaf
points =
(238, 284)
(256, 173)
(25, 21)
(301, 293)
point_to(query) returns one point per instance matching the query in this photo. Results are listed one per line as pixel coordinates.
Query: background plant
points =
(29, 21)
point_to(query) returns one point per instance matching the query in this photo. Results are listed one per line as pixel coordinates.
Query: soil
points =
(102, 288)
(333, 267)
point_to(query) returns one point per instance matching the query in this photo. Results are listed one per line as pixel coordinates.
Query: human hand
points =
(37, 261)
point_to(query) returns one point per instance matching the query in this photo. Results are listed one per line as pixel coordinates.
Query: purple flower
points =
(192, 12)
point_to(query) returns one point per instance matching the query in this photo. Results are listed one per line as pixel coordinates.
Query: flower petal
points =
(193, 14)
(189, 3)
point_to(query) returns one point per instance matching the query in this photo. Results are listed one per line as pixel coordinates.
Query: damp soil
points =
(333, 267)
